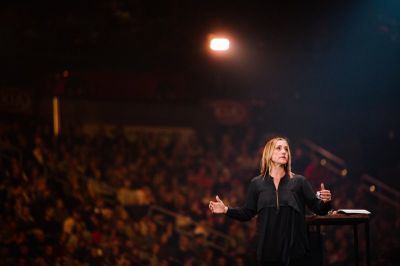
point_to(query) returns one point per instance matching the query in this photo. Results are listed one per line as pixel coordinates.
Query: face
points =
(280, 154)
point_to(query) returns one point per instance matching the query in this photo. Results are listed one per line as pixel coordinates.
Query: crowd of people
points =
(90, 198)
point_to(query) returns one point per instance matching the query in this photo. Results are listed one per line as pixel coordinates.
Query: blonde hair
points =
(266, 159)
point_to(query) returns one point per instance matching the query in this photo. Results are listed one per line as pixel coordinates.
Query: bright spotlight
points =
(372, 188)
(219, 44)
(344, 172)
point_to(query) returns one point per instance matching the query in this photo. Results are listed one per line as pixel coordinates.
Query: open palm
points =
(217, 206)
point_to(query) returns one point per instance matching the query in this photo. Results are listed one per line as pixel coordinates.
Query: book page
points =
(353, 211)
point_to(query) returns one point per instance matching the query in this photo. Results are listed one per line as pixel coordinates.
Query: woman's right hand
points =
(217, 206)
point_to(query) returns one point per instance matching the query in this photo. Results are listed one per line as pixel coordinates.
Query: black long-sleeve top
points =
(281, 216)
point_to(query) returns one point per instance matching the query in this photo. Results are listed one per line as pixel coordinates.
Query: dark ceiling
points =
(140, 34)
(289, 45)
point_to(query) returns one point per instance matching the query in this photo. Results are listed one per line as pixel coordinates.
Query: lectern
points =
(342, 219)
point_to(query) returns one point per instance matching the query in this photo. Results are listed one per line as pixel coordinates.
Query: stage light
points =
(323, 162)
(219, 44)
(344, 172)
(372, 188)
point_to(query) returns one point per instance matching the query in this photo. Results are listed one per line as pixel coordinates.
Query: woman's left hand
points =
(324, 194)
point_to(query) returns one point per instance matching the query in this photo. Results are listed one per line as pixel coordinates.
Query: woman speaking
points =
(278, 198)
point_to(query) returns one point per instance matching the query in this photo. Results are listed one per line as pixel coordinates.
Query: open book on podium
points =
(353, 211)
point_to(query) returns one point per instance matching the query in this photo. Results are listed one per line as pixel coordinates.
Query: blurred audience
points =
(95, 199)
